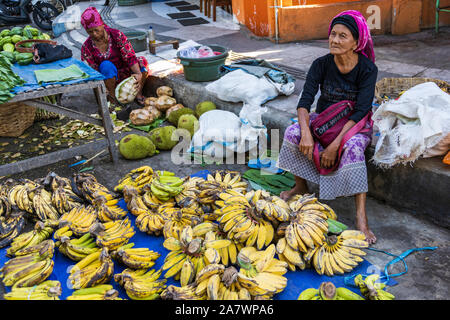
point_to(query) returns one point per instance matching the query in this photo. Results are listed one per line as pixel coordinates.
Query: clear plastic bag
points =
(194, 53)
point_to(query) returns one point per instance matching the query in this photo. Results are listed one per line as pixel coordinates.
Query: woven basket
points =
(15, 118)
(390, 88)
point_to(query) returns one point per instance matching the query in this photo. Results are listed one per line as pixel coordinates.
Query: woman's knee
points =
(293, 133)
(108, 69)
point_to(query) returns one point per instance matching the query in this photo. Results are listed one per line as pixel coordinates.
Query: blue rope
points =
(349, 280)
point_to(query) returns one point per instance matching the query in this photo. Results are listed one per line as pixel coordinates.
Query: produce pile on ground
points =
(156, 110)
(224, 242)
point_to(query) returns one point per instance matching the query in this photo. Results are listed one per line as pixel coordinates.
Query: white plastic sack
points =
(411, 125)
(68, 20)
(240, 86)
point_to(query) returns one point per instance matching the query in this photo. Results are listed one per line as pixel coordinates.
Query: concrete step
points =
(422, 188)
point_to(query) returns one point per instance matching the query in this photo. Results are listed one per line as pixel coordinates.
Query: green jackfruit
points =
(203, 107)
(175, 115)
(162, 137)
(133, 147)
(188, 122)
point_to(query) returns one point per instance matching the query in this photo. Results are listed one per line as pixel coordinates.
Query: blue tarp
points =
(27, 73)
(297, 281)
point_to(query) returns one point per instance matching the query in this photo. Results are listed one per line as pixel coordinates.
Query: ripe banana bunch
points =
(165, 185)
(228, 180)
(108, 210)
(77, 249)
(274, 208)
(43, 206)
(371, 289)
(100, 292)
(96, 268)
(114, 234)
(242, 223)
(79, 219)
(261, 273)
(136, 178)
(293, 257)
(328, 291)
(31, 266)
(150, 200)
(11, 227)
(47, 290)
(181, 293)
(5, 207)
(88, 186)
(151, 222)
(135, 258)
(21, 195)
(309, 202)
(142, 284)
(135, 202)
(63, 198)
(221, 284)
(340, 254)
(177, 219)
(40, 233)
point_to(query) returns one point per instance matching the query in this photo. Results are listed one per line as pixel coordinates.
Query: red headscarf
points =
(365, 43)
(90, 18)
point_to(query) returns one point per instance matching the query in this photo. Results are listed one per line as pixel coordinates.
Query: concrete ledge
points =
(422, 188)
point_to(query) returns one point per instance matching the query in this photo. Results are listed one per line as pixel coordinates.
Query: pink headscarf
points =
(365, 43)
(90, 18)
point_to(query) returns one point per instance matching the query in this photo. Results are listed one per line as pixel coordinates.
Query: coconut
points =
(165, 102)
(203, 107)
(154, 111)
(141, 117)
(151, 101)
(135, 146)
(188, 122)
(162, 137)
(164, 91)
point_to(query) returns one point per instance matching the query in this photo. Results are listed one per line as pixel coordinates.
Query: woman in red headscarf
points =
(108, 51)
(347, 74)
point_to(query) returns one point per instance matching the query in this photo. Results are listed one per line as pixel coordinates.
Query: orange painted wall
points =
(429, 15)
(254, 14)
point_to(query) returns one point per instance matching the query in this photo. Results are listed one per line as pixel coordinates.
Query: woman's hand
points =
(306, 145)
(328, 156)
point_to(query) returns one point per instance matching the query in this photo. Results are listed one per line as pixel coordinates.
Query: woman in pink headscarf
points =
(109, 51)
(348, 72)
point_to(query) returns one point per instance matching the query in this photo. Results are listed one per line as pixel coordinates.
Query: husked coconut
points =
(141, 117)
(126, 90)
(165, 102)
(154, 111)
(151, 101)
(164, 91)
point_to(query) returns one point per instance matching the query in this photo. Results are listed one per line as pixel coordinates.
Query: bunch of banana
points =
(43, 206)
(108, 212)
(90, 188)
(274, 208)
(340, 254)
(211, 232)
(150, 200)
(135, 258)
(220, 284)
(96, 268)
(31, 266)
(5, 207)
(328, 291)
(136, 178)
(308, 202)
(261, 273)
(242, 223)
(79, 219)
(77, 249)
(293, 257)
(188, 197)
(100, 292)
(5, 186)
(63, 198)
(165, 185)
(47, 290)
(40, 233)
(371, 289)
(114, 234)
(21, 195)
(62, 231)
(151, 222)
(134, 201)
(142, 284)
(177, 219)
(181, 293)
(228, 180)
(11, 227)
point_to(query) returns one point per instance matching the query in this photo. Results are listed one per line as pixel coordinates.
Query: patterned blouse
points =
(120, 52)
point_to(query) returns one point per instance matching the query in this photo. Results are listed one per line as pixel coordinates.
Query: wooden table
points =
(31, 98)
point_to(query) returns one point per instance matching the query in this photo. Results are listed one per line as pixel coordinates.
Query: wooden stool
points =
(223, 3)
(152, 46)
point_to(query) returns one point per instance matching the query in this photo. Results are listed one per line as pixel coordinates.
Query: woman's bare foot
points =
(363, 227)
(286, 195)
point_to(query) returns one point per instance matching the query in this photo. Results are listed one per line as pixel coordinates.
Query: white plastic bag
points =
(409, 126)
(240, 86)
